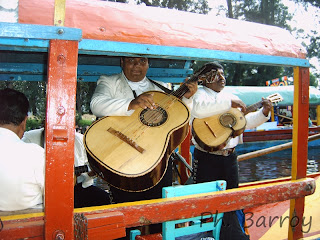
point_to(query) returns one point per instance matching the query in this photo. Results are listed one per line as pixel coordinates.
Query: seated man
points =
(120, 95)
(85, 194)
(22, 166)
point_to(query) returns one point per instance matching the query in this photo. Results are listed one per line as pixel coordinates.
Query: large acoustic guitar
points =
(213, 133)
(131, 152)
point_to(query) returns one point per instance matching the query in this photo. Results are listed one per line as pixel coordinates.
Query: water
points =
(275, 165)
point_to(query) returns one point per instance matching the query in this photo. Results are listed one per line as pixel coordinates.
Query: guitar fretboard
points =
(253, 107)
(274, 98)
(183, 88)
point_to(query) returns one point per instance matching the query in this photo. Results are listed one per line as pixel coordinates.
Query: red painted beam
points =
(60, 122)
(20, 229)
(300, 144)
(106, 226)
(99, 226)
(160, 210)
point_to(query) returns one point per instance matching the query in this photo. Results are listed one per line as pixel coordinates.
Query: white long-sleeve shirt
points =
(22, 171)
(207, 102)
(114, 93)
(80, 156)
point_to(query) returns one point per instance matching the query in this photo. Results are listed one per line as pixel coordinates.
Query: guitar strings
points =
(155, 115)
(165, 103)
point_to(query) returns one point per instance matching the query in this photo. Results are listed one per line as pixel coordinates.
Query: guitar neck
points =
(273, 98)
(253, 107)
(183, 88)
(195, 77)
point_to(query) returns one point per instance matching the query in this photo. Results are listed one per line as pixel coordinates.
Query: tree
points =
(199, 6)
(311, 40)
(270, 12)
(34, 91)
(315, 3)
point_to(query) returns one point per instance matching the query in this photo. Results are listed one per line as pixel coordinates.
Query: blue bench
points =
(190, 228)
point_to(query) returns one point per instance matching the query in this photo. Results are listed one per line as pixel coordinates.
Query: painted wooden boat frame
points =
(63, 45)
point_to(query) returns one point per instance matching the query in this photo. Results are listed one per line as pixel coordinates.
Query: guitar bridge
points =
(126, 139)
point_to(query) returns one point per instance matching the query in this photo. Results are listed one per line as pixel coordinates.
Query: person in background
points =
(22, 165)
(210, 100)
(85, 193)
(310, 123)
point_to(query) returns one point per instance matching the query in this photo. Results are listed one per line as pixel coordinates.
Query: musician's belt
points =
(224, 152)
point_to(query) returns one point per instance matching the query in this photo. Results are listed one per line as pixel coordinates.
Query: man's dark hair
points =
(14, 106)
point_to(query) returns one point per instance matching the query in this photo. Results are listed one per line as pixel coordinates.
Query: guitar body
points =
(131, 152)
(212, 133)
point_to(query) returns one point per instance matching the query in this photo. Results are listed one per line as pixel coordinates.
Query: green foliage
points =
(315, 3)
(198, 6)
(84, 123)
(314, 46)
(85, 91)
(34, 91)
(34, 123)
(313, 80)
(264, 11)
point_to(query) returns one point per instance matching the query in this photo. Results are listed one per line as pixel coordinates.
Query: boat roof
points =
(251, 94)
(120, 22)
(171, 39)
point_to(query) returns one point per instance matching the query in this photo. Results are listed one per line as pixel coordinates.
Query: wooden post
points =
(59, 12)
(318, 115)
(299, 147)
(60, 122)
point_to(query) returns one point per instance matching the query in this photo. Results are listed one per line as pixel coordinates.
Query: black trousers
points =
(90, 196)
(210, 167)
(120, 196)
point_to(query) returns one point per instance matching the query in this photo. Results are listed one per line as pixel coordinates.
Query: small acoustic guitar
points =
(213, 133)
(131, 152)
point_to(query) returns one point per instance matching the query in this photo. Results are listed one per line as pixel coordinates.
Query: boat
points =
(65, 41)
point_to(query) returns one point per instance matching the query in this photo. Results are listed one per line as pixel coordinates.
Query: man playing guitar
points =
(209, 100)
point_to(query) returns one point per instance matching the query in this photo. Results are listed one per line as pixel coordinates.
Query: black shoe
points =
(231, 229)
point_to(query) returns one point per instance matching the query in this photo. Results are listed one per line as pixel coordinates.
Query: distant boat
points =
(261, 139)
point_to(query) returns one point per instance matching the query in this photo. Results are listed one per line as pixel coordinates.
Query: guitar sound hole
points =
(153, 117)
(227, 120)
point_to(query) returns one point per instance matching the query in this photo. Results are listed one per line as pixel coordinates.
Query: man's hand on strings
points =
(145, 100)
(238, 104)
(193, 87)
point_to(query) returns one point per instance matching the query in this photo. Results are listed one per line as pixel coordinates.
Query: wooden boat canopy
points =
(171, 39)
(118, 22)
